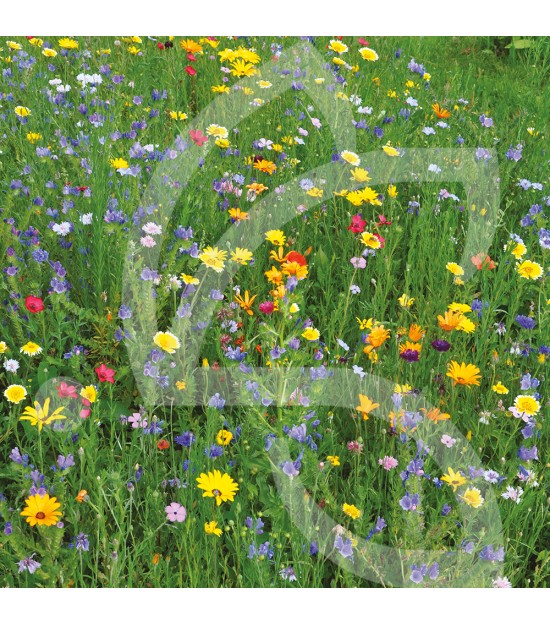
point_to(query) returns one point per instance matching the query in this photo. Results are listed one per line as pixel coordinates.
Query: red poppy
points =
(34, 304)
(105, 374)
(191, 70)
(163, 444)
(160, 45)
(82, 189)
(357, 224)
(296, 257)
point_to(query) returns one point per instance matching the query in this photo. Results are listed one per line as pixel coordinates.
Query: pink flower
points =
(358, 263)
(355, 447)
(191, 70)
(105, 374)
(266, 307)
(137, 421)
(388, 463)
(198, 138)
(175, 512)
(64, 390)
(148, 241)
(448, 441)
(502, 582)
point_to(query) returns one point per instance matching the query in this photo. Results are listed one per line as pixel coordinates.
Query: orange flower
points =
(440, 112)
(482, 262)
(163, 444)
(450, 321)
(435, 415)
(295, 269)
(82, 496)
(463, 374)
(237, 214)
(266, 166)
(378, 335)
(416, 333)
(246, 303)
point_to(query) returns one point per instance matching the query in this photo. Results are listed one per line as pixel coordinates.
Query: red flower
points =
(483, 263)
(381, 239)
(363, 42)
(163, 444)
(296, 257)
(190, 70)
(382, 221)
(34, 304)
(160, 45)
(198, 138)
(191, 57)
(357, 224)
(105, 374)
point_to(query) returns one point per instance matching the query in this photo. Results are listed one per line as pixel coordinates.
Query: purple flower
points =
(343, 547)
(440, 345)
(409, 503)
(525, 322)
(64, 463)
(176, 513)
(28, 564)
(217, 401)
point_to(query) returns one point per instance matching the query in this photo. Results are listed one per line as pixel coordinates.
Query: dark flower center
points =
(40, 515)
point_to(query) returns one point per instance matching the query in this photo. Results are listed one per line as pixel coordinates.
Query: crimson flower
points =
(105, 374)
(357, 224)
(191, 70)
(34, 304)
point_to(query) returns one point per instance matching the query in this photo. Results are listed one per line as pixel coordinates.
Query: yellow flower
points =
(181, 385)
(214, 484)
(13, 45)
(527, 404)
(455, 269)
(274, 276)
(519, 250)
(41, 510)
(15, 393)
(368, 54)
(334, 460)
(134, 50)
(31, 349)
(360, 175)
(177, 115)
(212, 528)
(529, 270)
(275, 237)
(189, 279)
(463, 374)
(39, 415)
(33, 137)
(22, 111)
(450, 321)
(246, 303)
(3, 347)
(315, 192)
(264, 84)
(295, 269)
(220, 89)
(222, 143)
(466, 325)
(350, 157)
(311, 334)
(462, 308)
(392, 190)
(364, 324)
(242, 68)
(49, 53)
(167, 341)
(473, 497)
(68, 44)
(454, 479)
(351, 511)
(224, 437)
(217, 131)
(390, 151)
(366, 406)
(241, 255)
(89, 393)
(119, 163)
(266, 166)
(405, 301)
(369, 240)
(251, 56)
(337, 46)
(214, 258)
(500, 388)
(294, 308)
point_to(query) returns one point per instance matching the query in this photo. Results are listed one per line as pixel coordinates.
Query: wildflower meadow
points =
(274, 311)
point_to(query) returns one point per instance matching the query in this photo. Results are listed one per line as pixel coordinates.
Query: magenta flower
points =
(176, 513)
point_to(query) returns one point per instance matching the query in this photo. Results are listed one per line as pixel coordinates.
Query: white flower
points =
(86, 219)
(152, 228)
(62, 229)
(11, 365)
